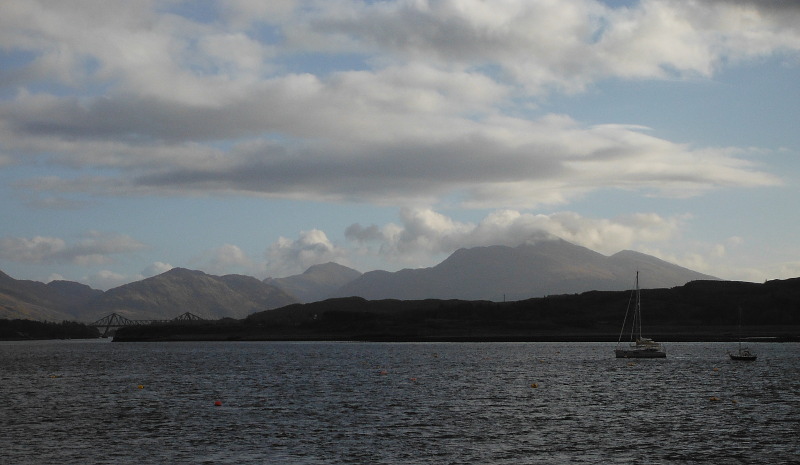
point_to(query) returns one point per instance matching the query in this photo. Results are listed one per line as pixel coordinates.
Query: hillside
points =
(499, 273)
(494, 273)
(180, 290)
(697, 311)
(318, 282)
(54, 301)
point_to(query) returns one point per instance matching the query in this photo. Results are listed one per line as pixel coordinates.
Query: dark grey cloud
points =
(358, 233)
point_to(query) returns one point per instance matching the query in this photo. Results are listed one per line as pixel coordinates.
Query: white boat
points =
(638, 347)
(743, 353)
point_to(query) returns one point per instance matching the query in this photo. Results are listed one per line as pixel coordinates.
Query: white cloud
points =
(433, 113)
(394, 103)
(425, 236)
(287, 257)
(106, 279)
(31, 250)
(226, 259)
(242, 13)
(156, 268)
(563, 45)
(94, 248)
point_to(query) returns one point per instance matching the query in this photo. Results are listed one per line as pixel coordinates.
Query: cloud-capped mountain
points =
(545, 267)
(318, 282)
(180, 290)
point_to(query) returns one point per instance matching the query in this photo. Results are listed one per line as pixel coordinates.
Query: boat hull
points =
(742, 357)
(633, 353)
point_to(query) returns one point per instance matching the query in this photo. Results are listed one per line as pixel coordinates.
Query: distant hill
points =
(318, 282)
(180, 290)
(161, 297)
(697, 311)
(494, 273)
(54, 301)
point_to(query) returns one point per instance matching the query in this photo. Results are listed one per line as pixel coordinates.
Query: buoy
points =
(716, 369)
(714, 398)
(414, 379)
(218, 403)
(383, 372)
(630, 364)
(534, 385)
(141, 386)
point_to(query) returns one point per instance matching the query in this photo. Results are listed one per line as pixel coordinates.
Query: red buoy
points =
(218, 403)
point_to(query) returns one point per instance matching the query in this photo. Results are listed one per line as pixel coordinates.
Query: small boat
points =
(743, 353)
(639, 347)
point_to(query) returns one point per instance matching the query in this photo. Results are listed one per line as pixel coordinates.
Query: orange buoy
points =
(534, 385)
(218, 403)
(383, 372)
(714, 398)
(141, 386)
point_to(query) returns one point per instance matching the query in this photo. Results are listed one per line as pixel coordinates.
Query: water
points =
(65, 402)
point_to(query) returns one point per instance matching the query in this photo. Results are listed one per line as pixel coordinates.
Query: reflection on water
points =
(376, 403)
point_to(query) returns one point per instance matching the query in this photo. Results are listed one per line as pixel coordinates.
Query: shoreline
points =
(665, 335)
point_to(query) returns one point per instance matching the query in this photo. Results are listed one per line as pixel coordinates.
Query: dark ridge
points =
(697, 311)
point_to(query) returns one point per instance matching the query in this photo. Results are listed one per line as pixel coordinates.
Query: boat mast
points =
(636, 325)
(637, 313)
(740, 330)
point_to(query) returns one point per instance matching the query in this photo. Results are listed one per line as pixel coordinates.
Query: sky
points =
(260, 138)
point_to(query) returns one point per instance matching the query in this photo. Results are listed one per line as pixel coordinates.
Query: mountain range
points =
(494, 273)
(318, 282)
(165, 296)
(535, 269)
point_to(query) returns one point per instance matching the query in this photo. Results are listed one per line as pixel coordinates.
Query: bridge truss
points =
(116, 321)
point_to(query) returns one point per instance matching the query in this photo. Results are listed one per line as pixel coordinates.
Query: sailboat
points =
(639, 347)
(743, 354)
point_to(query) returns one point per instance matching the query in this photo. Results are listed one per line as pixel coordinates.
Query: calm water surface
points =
(67, 402)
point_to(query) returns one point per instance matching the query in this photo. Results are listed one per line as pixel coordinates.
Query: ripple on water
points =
(331, 403)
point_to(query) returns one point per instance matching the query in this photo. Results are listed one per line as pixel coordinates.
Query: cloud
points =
(94, 248)
(562, 45)
(500, 161)
(287, 257)
(106, 279)
(226, 259)
(156, 269)
(424, 235)
(414, 118)
(31, 250)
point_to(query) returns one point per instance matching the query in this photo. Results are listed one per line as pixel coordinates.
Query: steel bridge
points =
(116, 321)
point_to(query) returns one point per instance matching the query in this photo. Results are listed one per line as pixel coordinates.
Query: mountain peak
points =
(318, 282)
(542, 265)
